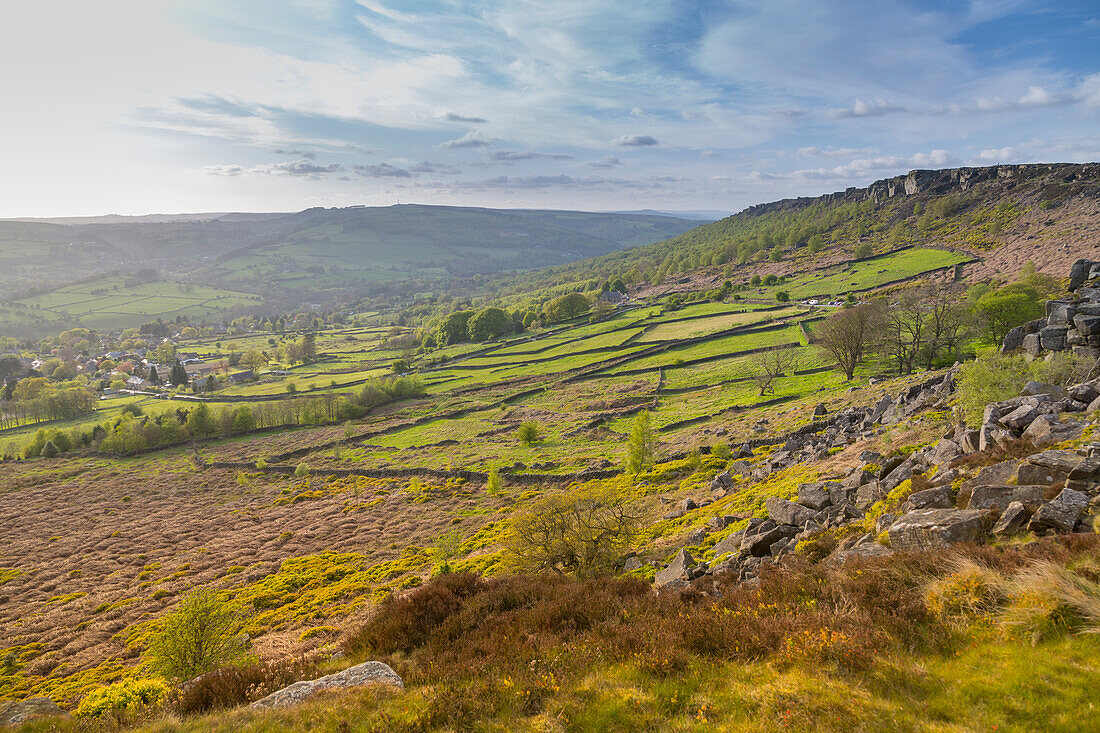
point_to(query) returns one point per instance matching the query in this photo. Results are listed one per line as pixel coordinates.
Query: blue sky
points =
(139, 106)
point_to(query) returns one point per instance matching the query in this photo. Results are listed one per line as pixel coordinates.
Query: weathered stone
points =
(1012, 519)
(1020, 418)
(945, 451)
(1087, 325)
(970, 441)
(813, 496)
(367, 673)
(1083, 392)
(631, 564)
(1061, 513)
(731, 543)
(1061, 313)
(1053, 338)
(1056, 460)
(686, 505)
(821, 410)
(676, 570)
(868, 494)
(936, 498)
(1029, 474)
(1041, 388)
(1088, 468)
(999, 497)
(895, 478)
(935, 528)
(21, 711)
(758, 544)
(997, 474)
(859, 552)
(725, 479)
(1079, 273)
(1032, 345)
(787, 512)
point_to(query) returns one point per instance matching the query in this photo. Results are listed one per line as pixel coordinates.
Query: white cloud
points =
(300, 168)
(472, 139)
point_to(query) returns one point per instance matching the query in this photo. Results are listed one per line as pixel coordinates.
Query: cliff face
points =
(944, 181)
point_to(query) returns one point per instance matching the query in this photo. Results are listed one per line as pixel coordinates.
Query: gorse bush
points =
(122, 701)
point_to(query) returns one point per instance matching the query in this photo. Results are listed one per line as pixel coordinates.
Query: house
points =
(206, 368)
(239, 377)
(204, 383)
(138, 383)
(614, 297)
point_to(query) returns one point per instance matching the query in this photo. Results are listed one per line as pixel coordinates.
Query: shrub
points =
(970, 590)
(202, 634)
(301, 470)
(49, 450)
(529, 433)
(122, 700)
(640, 446)
(584, 532)
(236, 685)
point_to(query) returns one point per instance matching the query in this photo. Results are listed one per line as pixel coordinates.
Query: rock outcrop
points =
(368, 673)
(1072, 324)
(22, 711)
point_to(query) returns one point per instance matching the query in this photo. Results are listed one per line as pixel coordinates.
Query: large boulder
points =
(788, 512)
(936, 528)
(367, 673)
(1020, 418)
(676, 570)
(22, 711)
(999, 497)
(1061, 513)
(813, 496)
(936, 498)
(1061, 461)
(1012, 519)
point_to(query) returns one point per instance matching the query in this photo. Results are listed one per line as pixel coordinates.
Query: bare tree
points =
(848, 335)
(902, 331)
(947, 324)
(767, 366)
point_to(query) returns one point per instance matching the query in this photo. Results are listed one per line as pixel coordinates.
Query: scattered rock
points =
(1012, 519)
(787, 512)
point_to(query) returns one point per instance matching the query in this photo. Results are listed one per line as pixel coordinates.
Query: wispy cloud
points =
(381, 170)
(607, 161)
(297, 168)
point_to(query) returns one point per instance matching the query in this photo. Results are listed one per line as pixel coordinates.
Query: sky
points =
(162, 106)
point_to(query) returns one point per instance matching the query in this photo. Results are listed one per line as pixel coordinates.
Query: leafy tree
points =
(816, 243)
(998, 311)
(618, 285)
(770, 280)
(783, 296)
(755, 281)
(243, 419)
(584, 532)
(455, 327)
(200, 422)
(566, 307)
(253, 359)
(488, 323)
(862, 250)
(201, 635)
(640, 446)
(307, 346)
(767, 366)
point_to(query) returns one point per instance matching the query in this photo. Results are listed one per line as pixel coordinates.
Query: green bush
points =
(993, 377)
(529, 433)
(202, 634)
(122, 699)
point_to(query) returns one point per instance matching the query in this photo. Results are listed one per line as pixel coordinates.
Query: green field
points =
(109, 303)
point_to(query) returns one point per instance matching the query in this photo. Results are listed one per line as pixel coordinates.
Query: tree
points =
(848, 334)
(862, 250)
(201, 635)
(639, 448)
(200, 422)
(154, 378)
(583, 533)
(488, 323)
(601, 310)
(567, 306)
(782, 296)
(307, 346)
(618, 285)
(903, 327)
(455, 327)
(767, 366)
(529, 433)
(253, 359)
(998, 311)
(178, 375)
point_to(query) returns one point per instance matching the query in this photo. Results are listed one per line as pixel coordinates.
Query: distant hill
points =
(290, 258)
